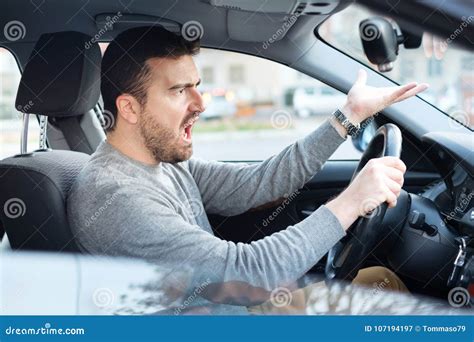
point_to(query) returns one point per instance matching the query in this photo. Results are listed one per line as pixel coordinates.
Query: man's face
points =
(173, 106)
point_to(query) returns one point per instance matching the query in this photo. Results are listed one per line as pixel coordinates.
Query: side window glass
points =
(255, 107)
(10, 118)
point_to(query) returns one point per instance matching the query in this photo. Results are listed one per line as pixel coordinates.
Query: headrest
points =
(62, 76)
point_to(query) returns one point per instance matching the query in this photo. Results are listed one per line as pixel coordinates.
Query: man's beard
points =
(164, 144)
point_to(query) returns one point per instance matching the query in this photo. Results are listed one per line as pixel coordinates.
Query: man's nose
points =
(197, 104)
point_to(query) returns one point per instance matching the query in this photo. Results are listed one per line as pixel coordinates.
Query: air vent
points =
(316, 8)
(232, 7)
(300, 8)
(278, 6)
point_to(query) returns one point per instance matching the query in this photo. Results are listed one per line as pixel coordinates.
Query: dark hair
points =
(124, 67)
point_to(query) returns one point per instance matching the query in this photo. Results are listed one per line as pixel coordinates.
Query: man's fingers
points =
(401, 90)
(361, 77)
(439, 47)
(394, 174)
(412, 92)
(391, 198)
(394, 162)
(427, 42)
(394, 187)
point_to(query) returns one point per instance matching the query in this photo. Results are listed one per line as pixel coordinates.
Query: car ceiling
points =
(240, 25)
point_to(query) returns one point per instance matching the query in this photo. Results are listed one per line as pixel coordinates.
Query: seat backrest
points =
(34, 190)
(60, 80)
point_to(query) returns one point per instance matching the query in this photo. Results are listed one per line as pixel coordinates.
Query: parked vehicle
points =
(219, 104)
(309, 101)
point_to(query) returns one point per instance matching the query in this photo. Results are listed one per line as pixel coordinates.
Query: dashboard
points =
(429, 225)
(453, 155)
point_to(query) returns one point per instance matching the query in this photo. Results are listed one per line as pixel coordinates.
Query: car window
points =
(447, 68)
(256, 107)
(10, 118)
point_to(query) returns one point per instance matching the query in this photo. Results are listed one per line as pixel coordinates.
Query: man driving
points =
(157, 195)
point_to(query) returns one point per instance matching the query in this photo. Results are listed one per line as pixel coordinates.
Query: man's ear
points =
(128, 108)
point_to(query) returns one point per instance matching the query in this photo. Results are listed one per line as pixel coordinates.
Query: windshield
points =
(447, 68)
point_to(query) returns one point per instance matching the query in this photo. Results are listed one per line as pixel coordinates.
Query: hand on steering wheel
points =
(371, 192)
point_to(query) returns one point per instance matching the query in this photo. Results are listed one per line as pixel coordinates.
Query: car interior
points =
(420, 239)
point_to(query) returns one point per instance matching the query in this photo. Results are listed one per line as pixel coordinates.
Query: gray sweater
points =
(121, 207)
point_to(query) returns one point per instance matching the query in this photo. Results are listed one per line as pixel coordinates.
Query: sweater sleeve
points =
(233, 188)
(164, 237)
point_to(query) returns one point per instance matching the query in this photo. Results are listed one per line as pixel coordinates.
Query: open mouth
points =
(188, 126)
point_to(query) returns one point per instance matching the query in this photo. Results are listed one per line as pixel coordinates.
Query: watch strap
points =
(352, 129)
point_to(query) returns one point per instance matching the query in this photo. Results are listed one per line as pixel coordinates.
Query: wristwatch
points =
(352, 129)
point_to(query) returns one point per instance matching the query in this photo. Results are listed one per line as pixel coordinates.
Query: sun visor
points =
(258, 27)
(111, 24)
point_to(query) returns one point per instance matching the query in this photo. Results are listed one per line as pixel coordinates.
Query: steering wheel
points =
(347, 256)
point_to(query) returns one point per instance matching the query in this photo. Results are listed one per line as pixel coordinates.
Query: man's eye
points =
(181, 91)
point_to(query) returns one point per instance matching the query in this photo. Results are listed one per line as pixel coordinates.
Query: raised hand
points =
(363, 101)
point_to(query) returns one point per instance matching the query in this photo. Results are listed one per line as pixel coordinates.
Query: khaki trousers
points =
(378, 276)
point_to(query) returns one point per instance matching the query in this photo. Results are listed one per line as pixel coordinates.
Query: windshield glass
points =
(447, 68)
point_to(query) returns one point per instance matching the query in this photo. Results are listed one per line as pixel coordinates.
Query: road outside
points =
(268, 136)
(229, 139)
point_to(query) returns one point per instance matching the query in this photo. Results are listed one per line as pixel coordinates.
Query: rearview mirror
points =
(380, 40)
